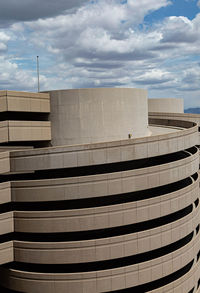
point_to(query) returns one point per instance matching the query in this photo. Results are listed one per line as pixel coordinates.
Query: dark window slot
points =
(196, 202)
(192, 150)
(24, 116)
(35, 144)
(198, 255)
(198, 284)
(5, 290)
(195, 176)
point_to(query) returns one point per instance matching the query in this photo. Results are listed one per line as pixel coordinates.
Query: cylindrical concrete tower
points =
(98, 115)
(166, 105)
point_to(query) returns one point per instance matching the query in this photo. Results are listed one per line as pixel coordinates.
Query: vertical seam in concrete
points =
(6, 100)
(7, 111)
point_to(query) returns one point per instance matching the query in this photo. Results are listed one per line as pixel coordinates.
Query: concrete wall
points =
(97, 115)
(108, 280)
(24, 131)
(117, 216)
(102, 216)
(169, 105)
(21, 113)
(101, 153)
(24, 102)
(177, 116)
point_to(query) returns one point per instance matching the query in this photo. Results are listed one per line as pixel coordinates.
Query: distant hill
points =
(192, 110)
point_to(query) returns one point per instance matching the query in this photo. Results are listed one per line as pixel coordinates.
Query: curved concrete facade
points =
(96, 115)
(169, 105)
(118, 216)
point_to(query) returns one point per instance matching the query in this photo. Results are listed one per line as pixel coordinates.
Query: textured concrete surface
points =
(99, 216)
(24, 102)
(97, 115)
(19, 131)
(170, 105)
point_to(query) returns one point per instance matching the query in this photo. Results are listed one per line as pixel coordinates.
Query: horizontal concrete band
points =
(183, 284)
(103, 281)
(105, 249)
(98, 218)
(102, 249)
(108, 264)
(177, 116)
(24, 102)
(151, 195)
(165, 233)
(73, 188)
(127, 240)
(27, 95)
(57, 226)
(113, 247)
(101, 153)
(187, 158)
(105, 184)
(13, 131)
(18, 192)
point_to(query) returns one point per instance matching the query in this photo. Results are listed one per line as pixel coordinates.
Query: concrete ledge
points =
(14, 131)
(105, 248)
(24, 102)
(101, 153)
(103, 217)
(105, 184)
(105, 280)
(6, 252)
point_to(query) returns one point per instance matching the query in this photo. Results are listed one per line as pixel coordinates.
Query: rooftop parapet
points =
(13, 101)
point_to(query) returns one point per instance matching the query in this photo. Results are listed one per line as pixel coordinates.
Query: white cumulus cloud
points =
(106, 43)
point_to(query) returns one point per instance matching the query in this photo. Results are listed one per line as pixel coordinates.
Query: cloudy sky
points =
(102, 43)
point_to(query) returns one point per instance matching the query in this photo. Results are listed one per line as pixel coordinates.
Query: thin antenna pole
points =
(38, 74)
